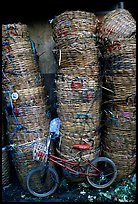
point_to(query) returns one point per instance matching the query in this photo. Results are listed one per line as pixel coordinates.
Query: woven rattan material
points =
(5, 167)
(31, 107)
(18, 30)
(70, 57)
(116, 24)
(73, 24)
(78, 81)
(125, 118)
(23, 160)
(32, 133)
(21, 76)
(117, 34)
(120, 136)
(23, 89)
(125, 163)
(19, 66)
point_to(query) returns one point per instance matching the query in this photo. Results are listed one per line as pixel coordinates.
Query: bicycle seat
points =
(81, 146)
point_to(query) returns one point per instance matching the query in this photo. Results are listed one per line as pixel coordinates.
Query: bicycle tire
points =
(42, 189)
(104, 179)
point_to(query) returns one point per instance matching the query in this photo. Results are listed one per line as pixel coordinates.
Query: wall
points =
(41, 34)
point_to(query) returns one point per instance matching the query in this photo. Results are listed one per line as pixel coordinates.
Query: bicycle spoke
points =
(42, 183)
(107, 175)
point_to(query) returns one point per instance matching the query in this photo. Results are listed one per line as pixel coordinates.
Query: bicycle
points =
(43, 180)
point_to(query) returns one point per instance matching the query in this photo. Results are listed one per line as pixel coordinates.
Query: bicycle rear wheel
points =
(40, 187)
(108, 172)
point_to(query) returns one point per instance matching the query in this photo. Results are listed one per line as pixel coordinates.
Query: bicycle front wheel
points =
(41, 184)
(107, 175)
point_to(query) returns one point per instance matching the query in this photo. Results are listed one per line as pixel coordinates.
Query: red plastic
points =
(81, 146)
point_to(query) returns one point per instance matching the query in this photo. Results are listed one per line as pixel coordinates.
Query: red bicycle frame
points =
(57, 161)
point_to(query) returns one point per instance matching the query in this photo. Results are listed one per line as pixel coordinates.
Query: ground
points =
(122, 191)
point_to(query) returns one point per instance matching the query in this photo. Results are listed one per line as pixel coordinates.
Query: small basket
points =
(40, 152)
(15, 29)
(22, 158)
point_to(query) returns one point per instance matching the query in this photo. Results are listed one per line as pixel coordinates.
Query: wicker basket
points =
(73, 24)
(119, 136)
(15, 29)
(22, 158)
(117, 24)
(73, 154)
(125, 163)
(19, 66)
(124, 117)
(5, 167)
(21, 76)
(78, 79)
(73, 107)
(80, 61)
(120, 69)
(31, 115)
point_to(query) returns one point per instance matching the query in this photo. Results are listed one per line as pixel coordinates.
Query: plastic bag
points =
(55, 126)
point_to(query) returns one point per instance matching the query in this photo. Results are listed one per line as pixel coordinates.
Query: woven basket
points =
(125, 117)
(70, 154)
(117, 24)
(19, 66)
(120, 69)
(15, 29)
(122, 47)
(73, 57)
(125, 163)
(5, 167)
(78, 78)
(74, 105)
(32, 108)
(22, 158)
(21, 76)
(74, 24)
(119, 136)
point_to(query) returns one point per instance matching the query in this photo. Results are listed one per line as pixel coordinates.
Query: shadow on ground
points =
(123, 191)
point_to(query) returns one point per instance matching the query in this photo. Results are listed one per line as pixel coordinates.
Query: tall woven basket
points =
(78, 82)
(23, 90)
(22, 85)
(119, 138)
(119, 51)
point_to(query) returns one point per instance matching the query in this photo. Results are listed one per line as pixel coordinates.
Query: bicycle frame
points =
(57, 161)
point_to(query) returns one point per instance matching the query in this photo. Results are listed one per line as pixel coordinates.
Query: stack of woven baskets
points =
(117, 33)
(78, 81)
(23, 90)
(5, 156)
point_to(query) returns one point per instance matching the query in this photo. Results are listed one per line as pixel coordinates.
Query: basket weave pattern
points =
(5, 167)
(120, 77)
(78, 81)
(117, 24)
(21, 77)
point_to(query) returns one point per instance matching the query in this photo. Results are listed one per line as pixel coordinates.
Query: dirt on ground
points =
(122, 191)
